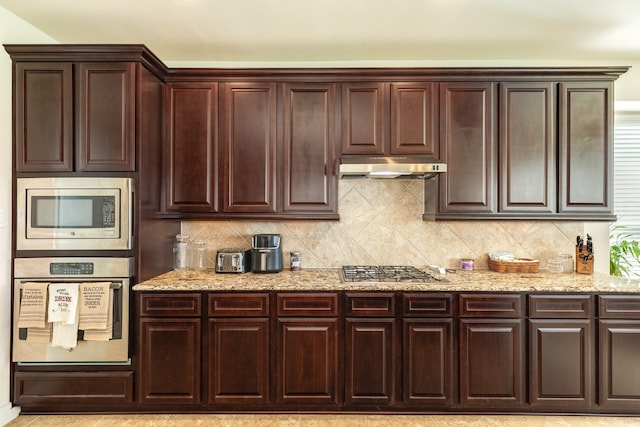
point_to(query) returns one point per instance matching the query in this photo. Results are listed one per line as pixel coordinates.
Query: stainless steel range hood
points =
(416, 167)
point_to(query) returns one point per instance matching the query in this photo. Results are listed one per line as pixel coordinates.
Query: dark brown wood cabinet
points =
(492, 351)
(380, 118)
(307, 357)
(238, 350)
(95, 101)
(371, 349)
(586, 149)
(191, 112)
(170, 348)
(469, 147)
(619, 366)
(364, 118)
(249, 147)
(105, 116)
(44, 117)
(310, 131)
(561, 351)
(527, 123)
(428, 363)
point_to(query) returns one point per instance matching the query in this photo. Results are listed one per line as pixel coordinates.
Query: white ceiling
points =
(339, 31)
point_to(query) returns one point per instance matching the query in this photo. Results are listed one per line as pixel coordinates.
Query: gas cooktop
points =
(387, 273)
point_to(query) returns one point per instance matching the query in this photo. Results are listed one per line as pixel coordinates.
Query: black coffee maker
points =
(266, 253)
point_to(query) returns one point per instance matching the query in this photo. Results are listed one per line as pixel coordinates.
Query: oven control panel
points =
(71, 268)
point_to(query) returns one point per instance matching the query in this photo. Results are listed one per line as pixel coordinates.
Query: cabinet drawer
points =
(308, 304)
(560, 306)
(491, 305)
(425, 305)
(170, 305)
(73, 388)
(238, 305)
(619, 306)
(370, 304)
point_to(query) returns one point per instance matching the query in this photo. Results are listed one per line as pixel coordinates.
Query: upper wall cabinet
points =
(527, 122)
(249, 147)
(94, 101)
(276, 155)
(552, 158)
(191, 121)
(586, 148)
(469, 147)
(44, 117)
(389, 118)
(310, 132)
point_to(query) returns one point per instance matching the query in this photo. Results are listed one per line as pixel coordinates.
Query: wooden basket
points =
(525, 265)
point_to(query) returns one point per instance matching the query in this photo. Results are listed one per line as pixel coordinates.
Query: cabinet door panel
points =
(309, 147)
(491, 363)
(170, 361)
(619, 364)
(468, 146)
(239, 361)
(364, 114)
(586, 147)
(250, 147)
(370, 356)
(561, 363)
(192, 147)
(105, 116)
(428, 364)
(44, 117)
(527, 147)
(413, 118)
(307, 361)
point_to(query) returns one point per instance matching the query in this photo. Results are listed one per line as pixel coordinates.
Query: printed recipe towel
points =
(63, 313)
(94, 305)
(106, 333)
(33, 305)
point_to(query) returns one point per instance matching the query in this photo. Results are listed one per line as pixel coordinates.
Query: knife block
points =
(584, 266)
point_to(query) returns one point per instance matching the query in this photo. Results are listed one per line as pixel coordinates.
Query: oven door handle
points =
(114, 285)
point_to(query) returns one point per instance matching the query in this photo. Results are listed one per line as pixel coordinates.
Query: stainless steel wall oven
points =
(117, 271)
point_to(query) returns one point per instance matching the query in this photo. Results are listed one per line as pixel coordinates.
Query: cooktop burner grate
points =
(387, 273)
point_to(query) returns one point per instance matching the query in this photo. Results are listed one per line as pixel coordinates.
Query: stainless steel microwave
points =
(69, 213)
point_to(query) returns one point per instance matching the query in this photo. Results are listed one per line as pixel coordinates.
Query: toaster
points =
(233, 260)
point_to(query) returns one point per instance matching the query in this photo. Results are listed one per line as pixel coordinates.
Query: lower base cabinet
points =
(492, 370)
(372, 351)
(238, 361)
(170, 361)
(170, 349)
(619, 353)
(561, 371)
(370, 361)
(428, 363)
(307, 361)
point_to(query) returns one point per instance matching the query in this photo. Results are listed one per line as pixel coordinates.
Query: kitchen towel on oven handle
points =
(33, 305)
(94, 305)
(63, 313)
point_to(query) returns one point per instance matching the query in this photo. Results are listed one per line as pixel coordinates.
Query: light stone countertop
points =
(330, 280)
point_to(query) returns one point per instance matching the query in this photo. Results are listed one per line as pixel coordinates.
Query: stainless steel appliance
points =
(69, 213)
(233, 260)
(388, 273)
(75, 270)
(421, 167)
(266, 253)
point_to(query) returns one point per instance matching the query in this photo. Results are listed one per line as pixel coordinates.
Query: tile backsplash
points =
(381, 223)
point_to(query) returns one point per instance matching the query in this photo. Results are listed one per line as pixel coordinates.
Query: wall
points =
(12, 30)
(381, 223)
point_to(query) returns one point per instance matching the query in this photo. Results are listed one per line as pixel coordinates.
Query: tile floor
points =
(320, 421)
